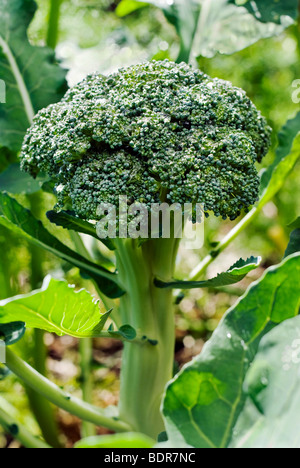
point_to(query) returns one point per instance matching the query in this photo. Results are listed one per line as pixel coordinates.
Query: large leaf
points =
(226, 28)
(234, 275)
(33, 79)
(129, 440)
(17, 218)
(207, 27)
(56, 308)
(69, 221)
(269, 10)
(270, 418)
(203, 401)
(13, 180)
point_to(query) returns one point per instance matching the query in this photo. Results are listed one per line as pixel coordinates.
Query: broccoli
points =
(156, 132)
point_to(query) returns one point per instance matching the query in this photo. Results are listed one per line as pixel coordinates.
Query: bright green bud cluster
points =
(153, 132)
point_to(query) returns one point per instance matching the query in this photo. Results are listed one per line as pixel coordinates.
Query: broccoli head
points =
(154, 132)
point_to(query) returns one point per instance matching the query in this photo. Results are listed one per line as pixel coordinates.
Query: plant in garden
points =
(155, 132)
(158, 132)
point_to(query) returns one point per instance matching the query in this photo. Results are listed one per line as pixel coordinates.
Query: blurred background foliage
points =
(103, 35)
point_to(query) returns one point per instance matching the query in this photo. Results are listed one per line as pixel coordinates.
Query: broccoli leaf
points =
(32, 77)
(269, 10)
(69, 221)
(286, 137)
(269, 418)
(206, 28)
(203, 402)
(129, 440)
(234, 275)
(17, 218)
(56, 308)
(227, 28)
(294, 243)
(287, 155)
(13, 180)
(12, 332)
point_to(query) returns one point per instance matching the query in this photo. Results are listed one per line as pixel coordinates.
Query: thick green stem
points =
(19, 432)
(184, 53)
(86, 356)
(146, 368)
(53, 23)
(58, 397)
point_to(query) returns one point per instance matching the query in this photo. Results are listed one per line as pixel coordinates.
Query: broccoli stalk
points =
(156, 132)
(147, 367)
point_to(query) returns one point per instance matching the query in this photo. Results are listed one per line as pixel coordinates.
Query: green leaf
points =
(286, 153)
(56, 308)
(128, 440)
(206, 28)
(33, 79)
(294, 243)
(126, 7)
(126, 332)
(203, 402)
(234, 275)
(12, 332)
(20, 220)
(67, 220)
(226, 28)
(13, 180)
(290, 153)
(270, 417)
(269, 10)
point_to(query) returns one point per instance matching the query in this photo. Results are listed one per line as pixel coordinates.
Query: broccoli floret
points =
(154, 132)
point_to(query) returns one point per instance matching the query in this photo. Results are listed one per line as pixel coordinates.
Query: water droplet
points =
(229, 336)
(264, 381)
